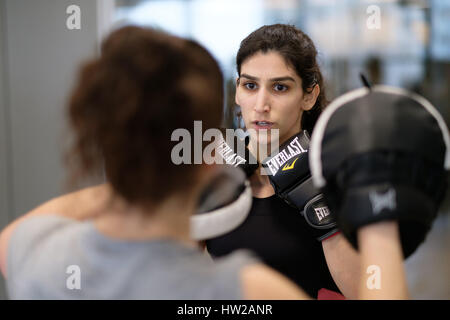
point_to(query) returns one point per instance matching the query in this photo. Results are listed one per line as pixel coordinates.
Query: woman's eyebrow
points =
(283, 79)
(244, 75)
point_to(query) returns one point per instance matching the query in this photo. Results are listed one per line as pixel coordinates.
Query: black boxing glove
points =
(382, 154)
(226, 201)
(234, 151)
(289, 174)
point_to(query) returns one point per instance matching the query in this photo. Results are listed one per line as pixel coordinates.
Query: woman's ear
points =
(310, 98)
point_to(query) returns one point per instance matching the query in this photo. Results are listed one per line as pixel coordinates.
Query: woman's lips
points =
(258, 125)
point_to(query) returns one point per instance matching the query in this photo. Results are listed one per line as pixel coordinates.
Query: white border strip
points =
(105, 19)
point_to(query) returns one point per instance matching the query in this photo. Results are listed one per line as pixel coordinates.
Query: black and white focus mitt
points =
(227, 200)
(382, 153)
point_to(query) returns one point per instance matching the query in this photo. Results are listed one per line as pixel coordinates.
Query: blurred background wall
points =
(403, 43)
(410, 47)
(39, 58)
(5, 215)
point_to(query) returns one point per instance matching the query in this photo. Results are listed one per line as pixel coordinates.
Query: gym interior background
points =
(403, 43)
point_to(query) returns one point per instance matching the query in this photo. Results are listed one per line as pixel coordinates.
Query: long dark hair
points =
(299, 51)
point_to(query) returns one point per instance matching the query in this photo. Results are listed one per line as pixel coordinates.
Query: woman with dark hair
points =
(130, 237)
(280, 86)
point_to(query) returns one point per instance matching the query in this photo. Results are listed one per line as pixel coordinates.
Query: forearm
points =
(344, 264)
(382, 270)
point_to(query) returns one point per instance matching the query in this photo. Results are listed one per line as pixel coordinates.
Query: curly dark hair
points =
(299, 51)
(126, 104)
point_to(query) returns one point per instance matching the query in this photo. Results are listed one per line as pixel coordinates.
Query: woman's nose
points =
(262, 101)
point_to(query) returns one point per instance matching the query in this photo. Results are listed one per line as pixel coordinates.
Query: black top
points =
(281, 237)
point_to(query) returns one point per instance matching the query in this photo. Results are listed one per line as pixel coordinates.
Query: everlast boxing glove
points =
(290, 176)
(234, 151)
(378, 154)
(227, 200)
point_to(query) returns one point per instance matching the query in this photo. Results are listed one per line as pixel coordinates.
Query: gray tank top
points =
(52, 257)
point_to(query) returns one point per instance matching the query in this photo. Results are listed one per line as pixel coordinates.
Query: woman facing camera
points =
(280, 87)
(130, 238)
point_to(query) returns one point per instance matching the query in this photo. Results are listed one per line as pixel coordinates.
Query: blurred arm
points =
(344, 264)
(382, 271)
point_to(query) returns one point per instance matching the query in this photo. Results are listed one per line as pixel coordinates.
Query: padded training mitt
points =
(223, 206)
(382, 153)
(227, 199)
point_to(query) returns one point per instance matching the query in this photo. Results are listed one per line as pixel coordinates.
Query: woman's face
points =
(270, 95)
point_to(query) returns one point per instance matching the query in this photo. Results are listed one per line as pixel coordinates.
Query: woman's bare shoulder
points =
(76, 201)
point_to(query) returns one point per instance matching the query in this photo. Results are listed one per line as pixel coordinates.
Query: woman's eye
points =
(280, 87)
(250, 85)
